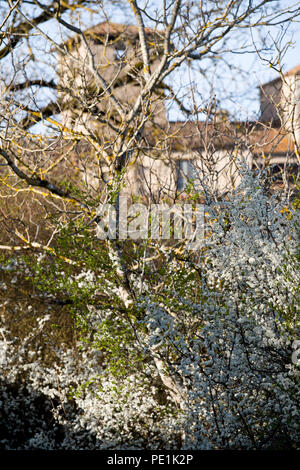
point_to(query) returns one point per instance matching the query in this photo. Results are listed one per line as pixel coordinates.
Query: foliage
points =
(222, 321)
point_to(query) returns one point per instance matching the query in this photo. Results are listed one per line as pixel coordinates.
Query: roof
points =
(108, 31)
(293, 71)
(184, 137)
(200, 134)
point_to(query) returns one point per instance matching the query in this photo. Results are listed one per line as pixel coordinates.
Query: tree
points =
(203, 325)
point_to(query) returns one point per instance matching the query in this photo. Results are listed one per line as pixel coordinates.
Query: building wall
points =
(291, 105)
(170, 175)
(270, 102)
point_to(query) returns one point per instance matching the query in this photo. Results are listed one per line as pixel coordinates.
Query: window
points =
(120, 53)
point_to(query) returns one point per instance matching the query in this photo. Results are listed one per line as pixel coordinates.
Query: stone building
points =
(117, 56)
(280, 101)
(190, 152)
